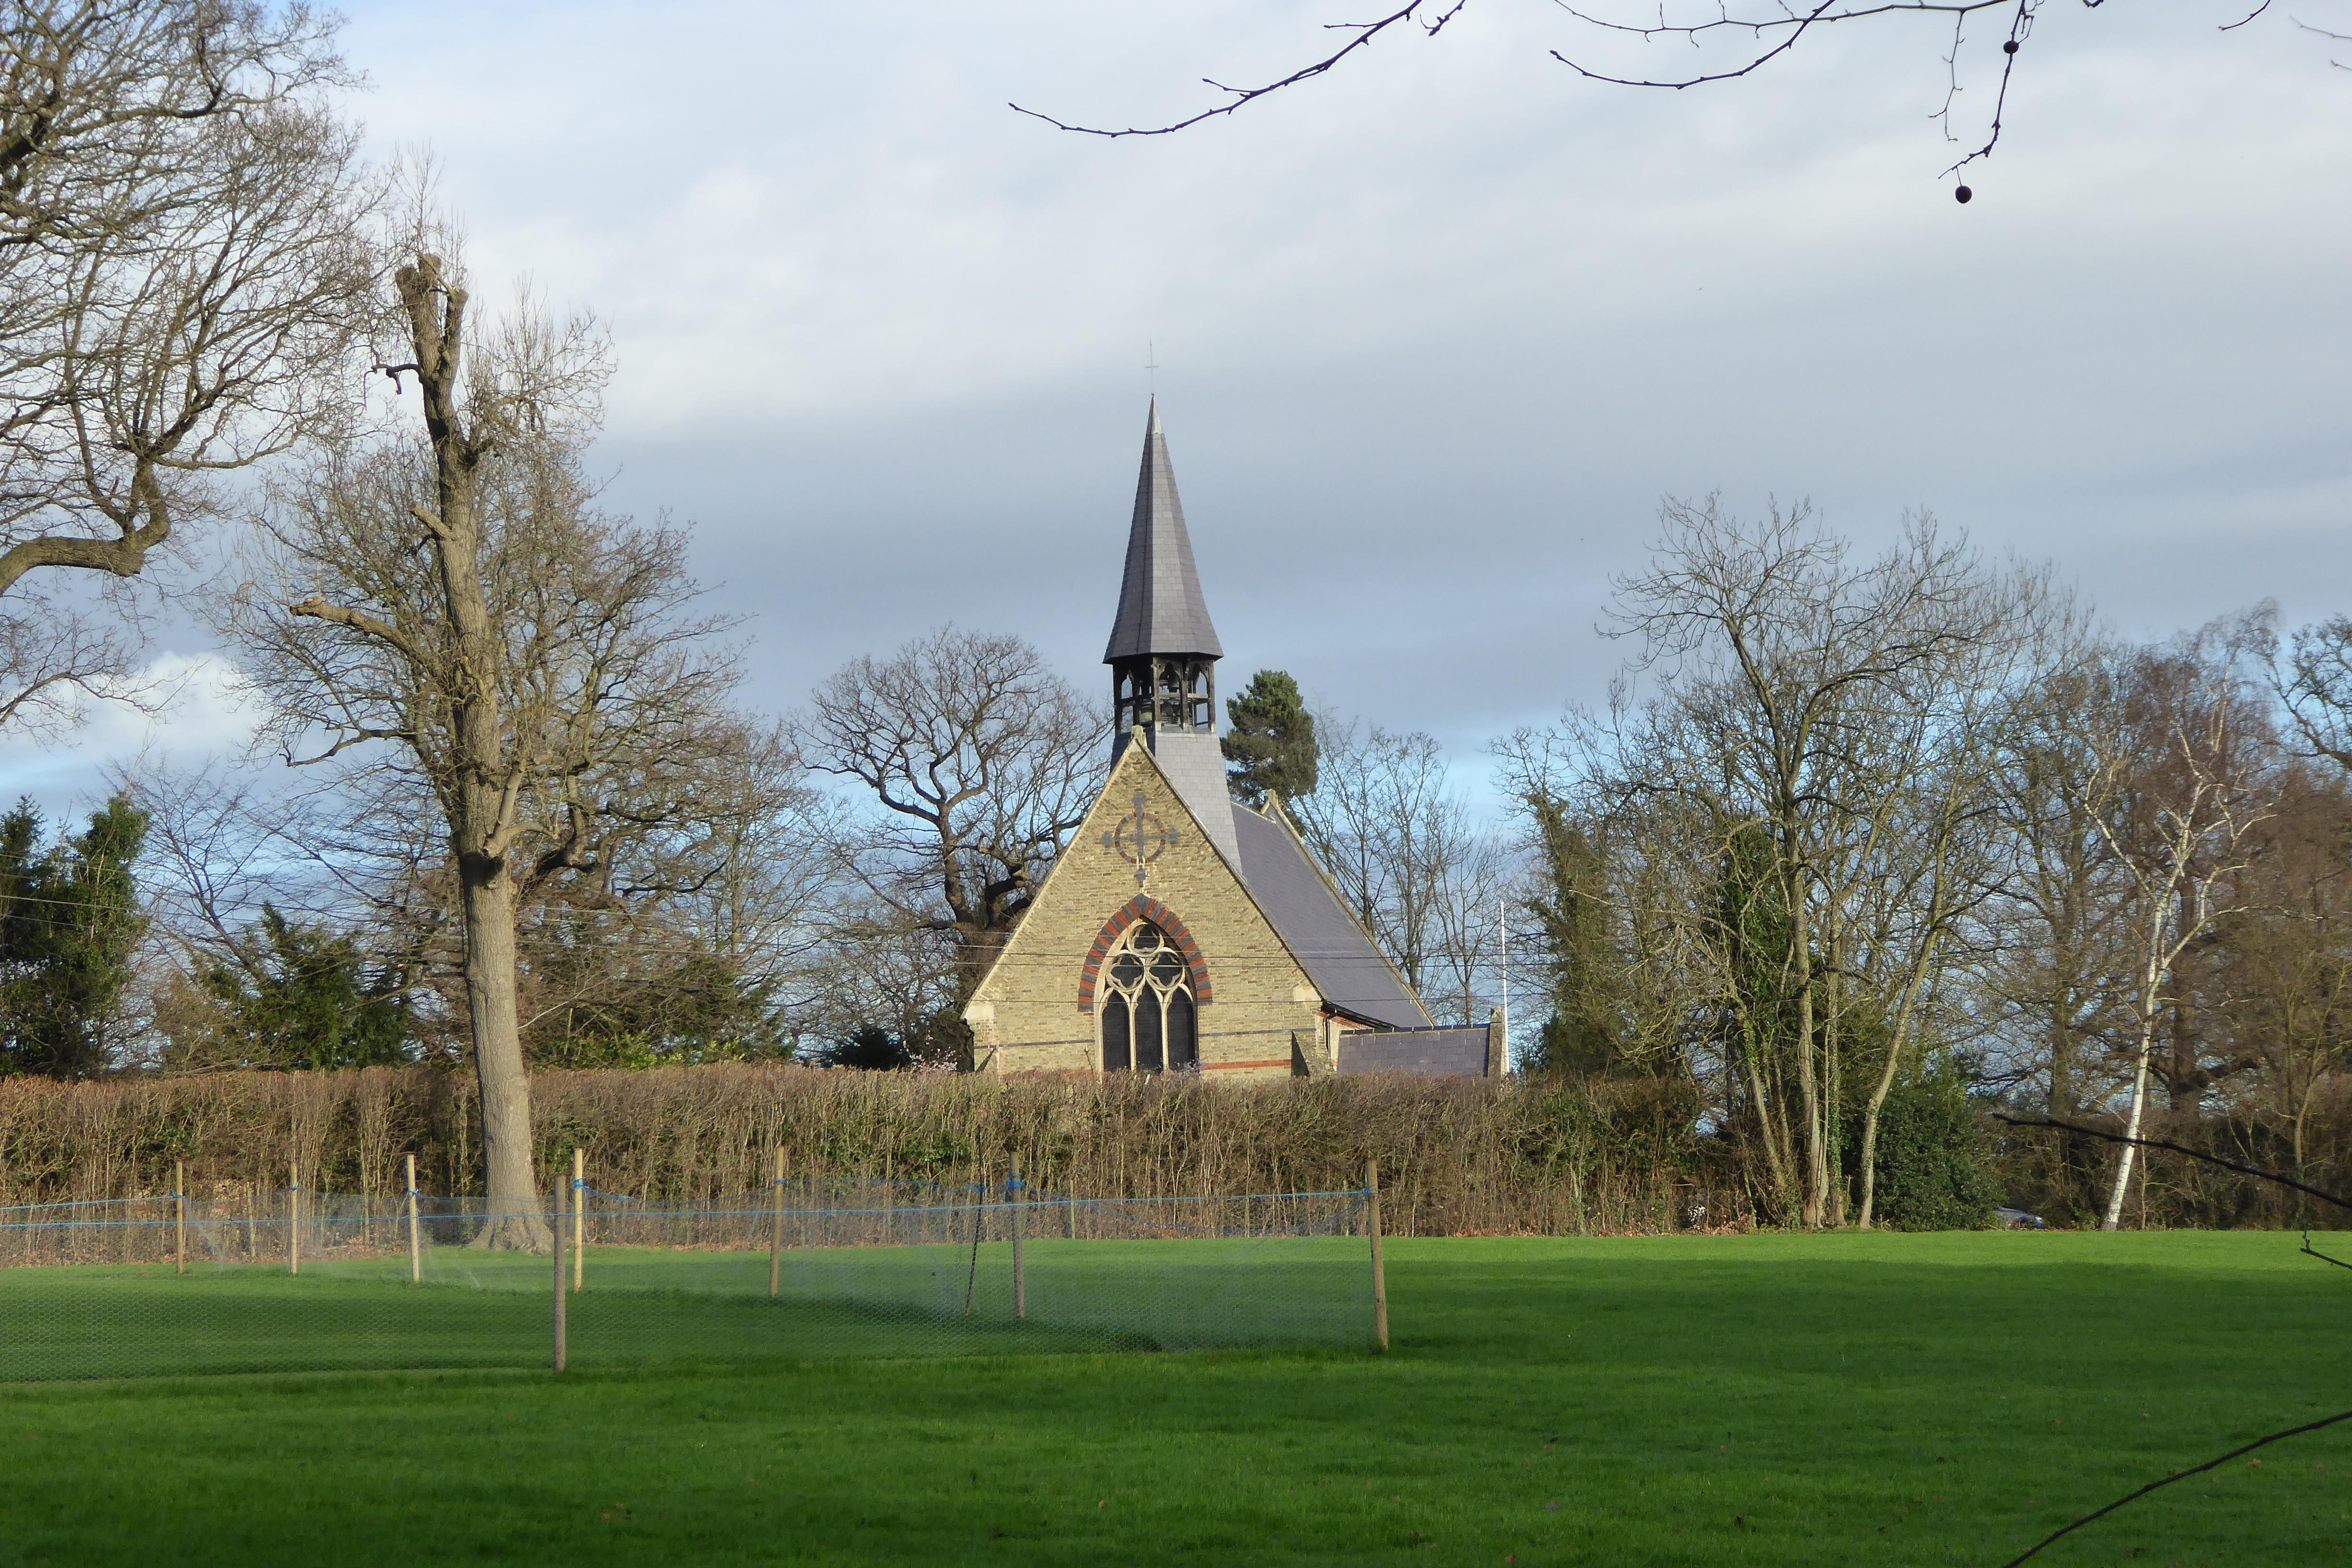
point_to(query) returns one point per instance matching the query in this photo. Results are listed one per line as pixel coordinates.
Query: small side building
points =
(1182, 931)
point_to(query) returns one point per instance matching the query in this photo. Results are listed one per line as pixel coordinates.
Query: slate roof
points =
(1194, 766)
(1454, 1052)
(1159, 606)
(1321, 934)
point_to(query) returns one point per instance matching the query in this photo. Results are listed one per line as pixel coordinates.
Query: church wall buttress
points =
(1034, 1011)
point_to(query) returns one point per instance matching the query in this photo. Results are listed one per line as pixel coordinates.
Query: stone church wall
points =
(1027, 1017)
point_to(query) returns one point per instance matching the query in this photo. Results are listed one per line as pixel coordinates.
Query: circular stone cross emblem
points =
(1140, 837)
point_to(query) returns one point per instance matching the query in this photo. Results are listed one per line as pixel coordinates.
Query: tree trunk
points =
(477, 792)
(1832, 1081)
(1776, 1162)
(1808, 1092)
(2062, 1059)
(2184, 1084)
(514, 1219)
(2154, 971)
(1868, 1154)
(2115, 1213)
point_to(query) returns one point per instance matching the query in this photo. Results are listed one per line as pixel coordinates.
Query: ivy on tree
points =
(1269, 743)
(1585, 1032)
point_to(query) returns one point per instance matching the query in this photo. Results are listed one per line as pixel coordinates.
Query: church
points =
(1182, 931)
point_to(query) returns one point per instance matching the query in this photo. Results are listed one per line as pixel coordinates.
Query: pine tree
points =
(304, 995)
(1270, 746)
(69, 922)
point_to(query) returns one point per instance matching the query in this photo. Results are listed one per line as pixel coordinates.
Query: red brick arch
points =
(1143, 907)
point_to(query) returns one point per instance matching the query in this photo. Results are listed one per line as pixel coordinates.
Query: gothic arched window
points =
(1149, 1017)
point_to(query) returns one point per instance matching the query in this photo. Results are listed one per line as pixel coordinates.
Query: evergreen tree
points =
(1931, 1159)
(1269, 743)
(1586, 1029)
(304, 995)
(69, 922)
(868, 1048)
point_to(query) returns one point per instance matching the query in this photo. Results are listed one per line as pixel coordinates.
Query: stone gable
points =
(1034, 1011)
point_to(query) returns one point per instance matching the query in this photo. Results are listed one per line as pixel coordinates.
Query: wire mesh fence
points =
(810, 1268)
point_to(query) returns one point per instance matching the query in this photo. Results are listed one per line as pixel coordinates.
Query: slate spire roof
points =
(1159, 606)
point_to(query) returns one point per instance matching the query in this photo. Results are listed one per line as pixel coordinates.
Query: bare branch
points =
(1365, 32)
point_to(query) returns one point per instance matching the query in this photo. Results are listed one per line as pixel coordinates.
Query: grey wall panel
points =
(1430, 1053)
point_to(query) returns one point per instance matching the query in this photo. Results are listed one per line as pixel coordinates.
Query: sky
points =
(1435, 332)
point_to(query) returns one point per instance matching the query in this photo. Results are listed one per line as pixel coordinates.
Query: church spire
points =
(1163, 652)
(1160, 611)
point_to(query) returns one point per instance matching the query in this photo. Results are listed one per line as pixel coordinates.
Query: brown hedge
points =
(1457, 1157)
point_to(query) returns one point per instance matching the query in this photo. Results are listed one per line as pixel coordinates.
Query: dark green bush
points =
(1932, 1159)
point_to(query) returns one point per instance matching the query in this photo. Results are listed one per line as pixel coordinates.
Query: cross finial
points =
(1152, 354)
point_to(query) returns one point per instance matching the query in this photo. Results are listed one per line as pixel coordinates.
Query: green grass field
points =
(1687, 1400)
(646, 1307)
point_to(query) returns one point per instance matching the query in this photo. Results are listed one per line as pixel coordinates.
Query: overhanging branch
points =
(1365, 33)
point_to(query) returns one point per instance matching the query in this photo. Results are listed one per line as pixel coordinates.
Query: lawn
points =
(1686, 1400)
(675, 1306)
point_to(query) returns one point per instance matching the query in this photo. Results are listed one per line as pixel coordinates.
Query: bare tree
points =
(2313, 682)
(455, 629)
(2286, 965)
(1922, 838)
(981, 762)
(1779, 761)
(719, 929)
(2183, 788)
(181, 287)
(1383, 824)
(877, 972)
(1474, 871)
(2052, 950)
(763, 901)
(1418, 869)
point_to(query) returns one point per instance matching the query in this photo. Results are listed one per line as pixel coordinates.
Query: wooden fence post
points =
(1380, 1275)
(579, 1217)
(560, 1293)
(293, 1219)
(179, 1216)
(979, 1218)
(1014, 1191)
(776, 1236)
(415, 1248)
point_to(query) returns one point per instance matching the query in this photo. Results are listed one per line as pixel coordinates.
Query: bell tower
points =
(1164, 651)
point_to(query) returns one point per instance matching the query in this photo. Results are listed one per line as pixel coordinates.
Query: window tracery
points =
(1149, 1017)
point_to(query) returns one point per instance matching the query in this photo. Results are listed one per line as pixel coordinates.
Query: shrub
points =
(1932, 1159)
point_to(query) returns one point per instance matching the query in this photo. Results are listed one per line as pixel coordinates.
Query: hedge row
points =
(1456, 1157)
